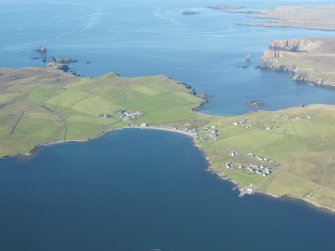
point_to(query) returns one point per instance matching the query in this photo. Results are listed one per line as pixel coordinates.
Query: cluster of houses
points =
(305, 117)
(259, 158)
(126, 115)
(130, 115)
(211, 133)
(138, 125)
(245, 123)
(194, 132)
(205, 134)
(271, 128)
(258, 169)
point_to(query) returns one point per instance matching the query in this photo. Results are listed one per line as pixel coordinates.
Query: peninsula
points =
(283, 153)
(311, 60)
(308, 60)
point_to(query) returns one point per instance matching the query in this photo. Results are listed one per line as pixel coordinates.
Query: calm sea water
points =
(138, 189)
(149, 37)
(142, 189)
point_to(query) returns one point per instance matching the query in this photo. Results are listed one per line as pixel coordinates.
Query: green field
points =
(44, 105)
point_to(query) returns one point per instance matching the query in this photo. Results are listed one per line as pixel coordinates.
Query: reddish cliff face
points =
(270, 59)
(294, 45)
(308, 60)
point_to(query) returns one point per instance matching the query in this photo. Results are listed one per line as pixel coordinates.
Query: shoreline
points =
(221, 176)
(309, 203)
(282, 26)
(38, 147)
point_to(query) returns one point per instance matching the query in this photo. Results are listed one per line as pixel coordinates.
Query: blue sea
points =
(142, 189)
(139, 189)
(150, 37)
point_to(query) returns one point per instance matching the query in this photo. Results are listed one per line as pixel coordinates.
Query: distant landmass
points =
(310, 60)
(232, 8)
(320, 17)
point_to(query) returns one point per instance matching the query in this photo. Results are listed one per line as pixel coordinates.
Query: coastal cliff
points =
(308, 60)
(294, 45)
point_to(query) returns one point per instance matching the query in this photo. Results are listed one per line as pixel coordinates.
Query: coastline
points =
(309, 60)
(281, 26)
(36, 148)
(314, 16)
(206, 120)
(243, 189)
(169, 178)
(309, 203)
(221, 176)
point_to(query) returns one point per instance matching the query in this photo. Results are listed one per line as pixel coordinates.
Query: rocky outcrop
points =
(63, 60)
(289, 56)
(271, 61)
(42, 50)
(294, 45)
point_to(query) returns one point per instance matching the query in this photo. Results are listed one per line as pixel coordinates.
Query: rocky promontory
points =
(294, 45)
(308, 60)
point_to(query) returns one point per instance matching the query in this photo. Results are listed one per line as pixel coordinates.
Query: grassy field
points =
(301, 145)
(63, 107)
(43, 105)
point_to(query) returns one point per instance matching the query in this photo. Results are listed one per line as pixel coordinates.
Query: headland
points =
(283, 153)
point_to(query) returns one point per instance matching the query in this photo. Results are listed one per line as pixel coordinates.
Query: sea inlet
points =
(135, 189)
(139, 189)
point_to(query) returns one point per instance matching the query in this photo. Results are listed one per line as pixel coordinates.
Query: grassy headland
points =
(288, 152)
(309, 60)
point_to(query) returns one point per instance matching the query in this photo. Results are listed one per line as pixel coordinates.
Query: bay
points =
(139, 189)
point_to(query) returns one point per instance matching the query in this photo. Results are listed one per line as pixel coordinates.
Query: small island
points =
(191, 12)
(283, 153)
(255, 103)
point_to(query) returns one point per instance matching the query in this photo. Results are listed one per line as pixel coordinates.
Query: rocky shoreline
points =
(303, 58)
